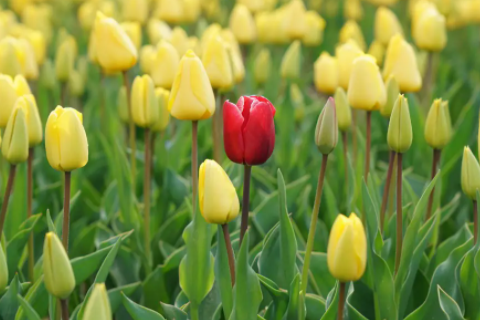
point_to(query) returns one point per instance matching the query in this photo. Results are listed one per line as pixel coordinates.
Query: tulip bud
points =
(170, 11)
(122, 103)
(191, 10)
(65, 140)
(437, 126)
(15, 138)
(12, 57)
(353, 10)
(470, 174)
(430, 31)
(366, 90)
(326, 73)
(164, 116)
(255, 5)
(347, 249)
(262, 66)
(210, 32)
(346, 54)
(298, 102)
(295, 19)
(236, 60)
(291, 62)
(98, 305)
(76, 83)
(326, 132)
(144, 102)
(401, 63)
(31, 67)
(192, 96)
(34, 124)
(134, 32)
(344, 112)
(315, 25)
(3, 270)
(115, 51)
(38, 43)
(180, 41)
(58, 273)
(39, 17)
(386, 25)
(47, 75)
(351, 31)
(165, 65)
(217, 63)
(135, 10)
(86, 14)
(65, 58)
(158, 30)
(148, 54)
(393, 90)
(377, 50)
(243, 25)
(9, 95)
(21, 85)
(217, 196)
(400, 134)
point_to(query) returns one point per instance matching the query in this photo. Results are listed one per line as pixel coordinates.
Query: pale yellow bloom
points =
(351, 31)
(326, 73)
(346, 54)
(243, 25)
(144, 102)
(217, 63)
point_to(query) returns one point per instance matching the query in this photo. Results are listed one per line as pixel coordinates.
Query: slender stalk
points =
(246, 200)
(313, 226)
(8, 191)
(146, 193)
(66, 210)
(216, 127)
(398, 253)
(102, 94)
(354, 136)
(436, 160)
(341, 300)
(475, 222)
(131, 131)
(386, 190)
(194, 165)
(368, 144)
(31, 255)
(231, 258)
(345, 156)
(429, 75)
(64, 306)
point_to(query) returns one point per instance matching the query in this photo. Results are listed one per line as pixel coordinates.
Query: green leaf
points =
(222, 275)
(332, 307)
(29, 311)
(9, 303)
(293, 301)
(84, 267)
(278, 307)
(37, 297)
(173, 313)
(315, 306)
(115, 294)
(139, 312)
(449, 306)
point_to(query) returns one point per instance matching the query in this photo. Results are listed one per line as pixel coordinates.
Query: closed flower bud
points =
(217, 196)
(326, 73)
(165, 65)
(76, 83)
(115, 51)
(243, 25)
(134, 32)
(347, 249)
(255, 5)
(34, 124)
(135, 10)
(47, 75)
(86, 14)
(3, 270)
(65, 58)
(98, 305)
(400, 134)
(57, 270)
(351, 31)
(298, 102)
(210, 32)
(122, 103)
(21, 85)
(163, 114)
(191, 97)
(144, 102)
(170, 11)
(346, 54)
(344, 112)
(38, 43)
(438, 126)
(148, 54)
(12, 57)
(249, 130)
(326, 132)
(65, 140)
(191, 10)
(158, 30)
(180, 41)
(194, 44)
(315, 26)
(236, 60)
(9, 96)
(353, 10)
(217, 63)
(377, 50)
(295, 19)
(393, 90)
(263, 63)
(291, 63)
(366, 90)
(401, 63)
(31, 67)
(470, 174)
(386, 25)
(39, 17)
(430, 31)
(15, 138)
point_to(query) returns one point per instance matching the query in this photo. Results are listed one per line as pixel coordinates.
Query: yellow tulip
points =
(148, 54)
(353, 10)
(326, 132)
(438, 129)
(295, 19)
(165, 65)
(192, 96)
(377, 50)
(210, 32)
(382, 2)
(3, 270)
(134, 32)
(135, 10)
(326, 73)
(12, 57)
(366, 90)
(400, 134)
(194, 44)
(401, 63)
(31, 67)
(57, 269)
(180, 40)
(346, 54)
(217, 64)
(158, 30)
(262, 66)
(315, 26)
(170, 11)
(98, 305)
(19, 5)
(9, 96)
(236, 60)
(144, 102)
(393, 90)
(122, 103)
(21, 85)
(430, 31)
(115, 51)
(38, 43)
(164, 116)
(351, 31)
(347, 249)
(263, 24)
(344, 112)
(243, 25)
(34, 124)
(39, 17)
(291, 62)
(15, 137)
(65, 58)
(76, 83)
(191, 10)
(255, 5)
(470, 174)
(65, 140)
(217, 196)
(386, 25)
(86, 14)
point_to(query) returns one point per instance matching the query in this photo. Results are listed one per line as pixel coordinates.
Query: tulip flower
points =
(212, 31)
(34, 124)
(76, 84)
(217, 63)
(8, 92)
(65, 58)
(315, 26)
(261, 71)
(243, 25)
(346, 54)
(343, 110)
(386, 25)
(3, 270)
(326, 132)
(31, 67)
(38, 17)
(134, 32)
(158, 30)
(135, 10)
(143, 102)
(353, 10)
(165, 65)
(430, 31)
(377, 50)
(15, 138)
(471, 182)
(164, 116)
(180, 41)
(21, 85)
(298, 101)
(191, 10)
(38, 43)
(12, 57)
(238, 68)
(291, 62)
(326, 73)
(393, 90)
(351, 31)
(254, 5)
(400, 129)
(382, 2)
(98, 305)
(170, 11)
(148, 54)
(295, 19)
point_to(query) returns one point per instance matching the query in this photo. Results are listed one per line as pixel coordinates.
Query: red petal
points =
(259, 132)
(232, 132)
(263, 99)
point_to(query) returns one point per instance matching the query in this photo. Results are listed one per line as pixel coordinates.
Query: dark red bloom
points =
(249, 130)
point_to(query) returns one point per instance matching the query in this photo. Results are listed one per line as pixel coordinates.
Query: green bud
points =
(57, 270)
(298, 101)
(98, 305)
(15, 139)
(344, 112)
(470, 174)
(393, 90)
(326, 132)
(291, 62)
(3, 270)
(400, 129)
(437, 127)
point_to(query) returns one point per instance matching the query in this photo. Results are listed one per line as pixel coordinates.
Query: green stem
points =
(369, 142)
(146, 193)
(386, 190)
(246, 201)
(64, 307)
(194, 311)
(194, 165)
(131, 125)
(436, 159)
(8, 191)
(66, 210)
(398, 252)
(31, 256)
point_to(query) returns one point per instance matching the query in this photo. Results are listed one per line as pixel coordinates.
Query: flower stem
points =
(31, 256)
(386, 190)
(475, 222)
(368, 144)
(216, 128)
(194, 312)
(429, 75)
(64, 306)
(231, 258)
(8, 191)
(354, 137)
(194, 165)
(398, 253)
(313, 227)
(436, 159)
(66, 210)
(102, 94)
(246, 200)
(131, 125)
(341, 300)
(146, 193)
(345, 157)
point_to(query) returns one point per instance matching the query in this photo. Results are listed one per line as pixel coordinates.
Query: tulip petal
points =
(233, 121)
(345, 264)
(73, 141)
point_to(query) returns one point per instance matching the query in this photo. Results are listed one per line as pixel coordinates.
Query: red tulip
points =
(249, 130)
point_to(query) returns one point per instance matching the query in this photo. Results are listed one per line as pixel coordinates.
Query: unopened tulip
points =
(165, 65)
(249, 130)
(122, 103)
(34, 124)
(191, 97)
(262, 67)
(351, 31)
(76, 83)
(346, 54)
(470, 174)
(366, 90)
(315, 26)
(9, 96)
(12, 57)
(353, 10)
(295, 19)
(393, 90)
(115, 51)
(347, 249)
(298, 102)
(377, 50)
(430, 31)
(400, 134)
(438, 126)
(191, 10)
(30, 67)
(401, 63)
(3, 270)
(134, 32)
(180, 41)
(326, 132)
(86, 14)
(164, 116)
(38, 43)
(291, 62)
(217, 196)
(21, 85)
(65, 58)
(170, 11)
(386, 25)
(326, 73)
(236, 60)
(39, 17)
(158, 30)
(65, 140)
(98, 305)
(344, 112)
(210, 32)
(144, 102)
(148, 54)
(243, 25)
(255, 5)
(135, 10)
(15, 137)
(217, 63)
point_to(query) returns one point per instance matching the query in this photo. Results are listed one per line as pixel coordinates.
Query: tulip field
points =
(239, 159)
